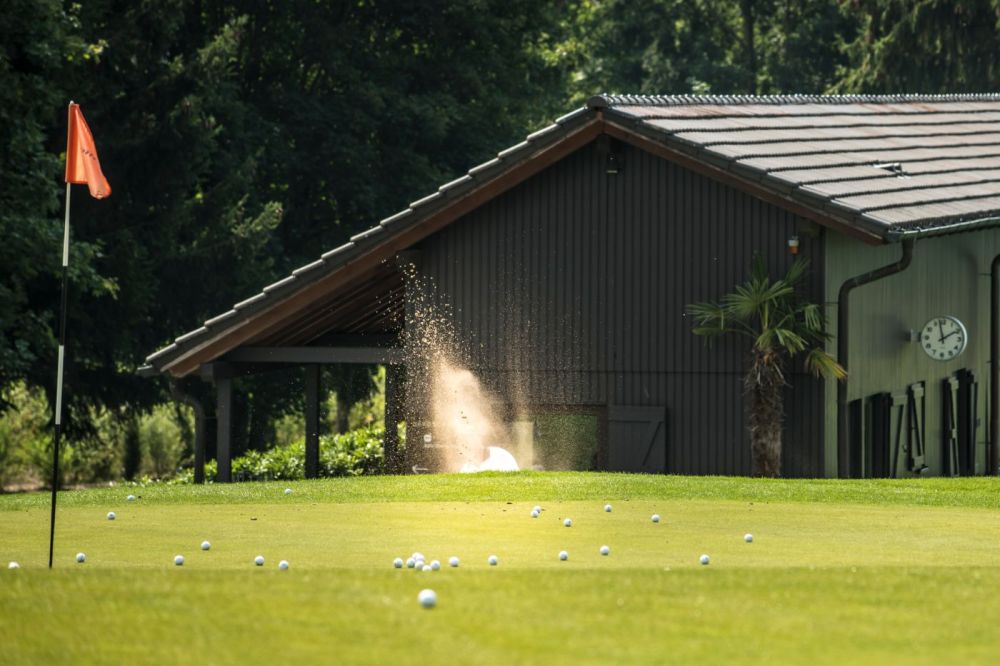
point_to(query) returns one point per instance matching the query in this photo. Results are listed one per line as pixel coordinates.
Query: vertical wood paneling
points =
(577, 281)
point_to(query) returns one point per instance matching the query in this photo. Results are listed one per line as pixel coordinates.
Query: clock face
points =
(943, 338)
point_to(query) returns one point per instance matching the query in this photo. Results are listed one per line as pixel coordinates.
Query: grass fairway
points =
(876, 572)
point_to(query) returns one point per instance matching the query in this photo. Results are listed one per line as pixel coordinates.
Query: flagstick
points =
(59, 377)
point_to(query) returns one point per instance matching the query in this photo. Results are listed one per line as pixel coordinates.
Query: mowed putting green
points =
(839, 572)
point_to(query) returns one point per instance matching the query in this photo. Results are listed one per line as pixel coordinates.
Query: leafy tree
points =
(779, 325)
(923, 46)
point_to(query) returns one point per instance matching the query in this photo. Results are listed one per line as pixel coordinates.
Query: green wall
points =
(949, 275)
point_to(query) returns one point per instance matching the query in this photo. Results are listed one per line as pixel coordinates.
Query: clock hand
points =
(949, 335)
(940, 332)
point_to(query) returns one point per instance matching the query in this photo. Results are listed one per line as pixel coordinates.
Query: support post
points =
(394, 382)
(199, 428)
(224, 426)
(994, 461)
(312, 421)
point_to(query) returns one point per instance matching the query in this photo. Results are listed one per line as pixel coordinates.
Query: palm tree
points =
(779, 325)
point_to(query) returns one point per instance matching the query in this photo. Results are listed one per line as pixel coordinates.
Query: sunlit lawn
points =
(838, 572)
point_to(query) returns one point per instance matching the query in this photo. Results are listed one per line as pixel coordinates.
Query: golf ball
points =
(748, 538)
(427, 598)
(453, 561)
(418, 564)
(410, 563)
(418, 556)
(398, 563)
(568, 522)
(259, 560)
(607, 508)
(81, 558)
(605, 550)
(563, 555)
(13, 565)
(435, 565)
(205, 545)
(537, 509)
(704, 559)
(288, 491)
(283, 565)
(111, 515)
(426, 567)
(130, 498)
(534, 514)
(492, 559)
(179, 560)
(655, 518)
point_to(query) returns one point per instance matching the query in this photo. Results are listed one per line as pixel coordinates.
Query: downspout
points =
(843, 451)
(994, 462)
(199, 427)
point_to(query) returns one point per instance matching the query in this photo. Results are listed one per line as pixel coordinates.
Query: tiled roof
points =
(889, 164)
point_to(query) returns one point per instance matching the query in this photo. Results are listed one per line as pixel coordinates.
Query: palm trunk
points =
(764, 383)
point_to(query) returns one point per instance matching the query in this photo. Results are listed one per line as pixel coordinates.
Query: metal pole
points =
(59, 378)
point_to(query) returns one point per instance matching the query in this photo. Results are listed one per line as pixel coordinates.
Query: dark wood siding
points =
(571, 289)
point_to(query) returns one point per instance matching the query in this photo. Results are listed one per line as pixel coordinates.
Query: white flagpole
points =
(59, 377)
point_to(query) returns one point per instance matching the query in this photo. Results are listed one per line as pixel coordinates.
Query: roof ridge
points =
(605, 100)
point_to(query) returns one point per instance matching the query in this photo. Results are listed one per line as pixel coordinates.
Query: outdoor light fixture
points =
(613, 165)
(793, 244)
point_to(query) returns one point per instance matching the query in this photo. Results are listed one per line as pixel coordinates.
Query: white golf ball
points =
(410, 563)
(427, 598)
(288, 491)
(418, 564)
(426, 567)
(179, 560)
(13, 565)
(537, 509)
(534, 514)
(130, 498)
(453, 561)
(655, 518)
(283, 565)
(563, 555)
(605, 550)
(748, 538)
(418, 555)
(205, 545)
(704, 559)
(568, 522)
(607, 508)
(435, 565)
(81, 558)
(398, 563)
(259, 560)
(111, 515)
(492, 559)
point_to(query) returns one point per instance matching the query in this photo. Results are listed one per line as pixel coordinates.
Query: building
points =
(566, 263)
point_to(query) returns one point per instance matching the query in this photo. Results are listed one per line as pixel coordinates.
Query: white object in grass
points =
(537, 509)
(563, 555)
(398, 563)
(410, 563)
(568, 522)
(435, 565)
(655, 518)
(426, 567)
(748, 538)
(427, 598)
(130, 498)
(288, 491)
(607, 508)
(704, 559)
(453, 561)
(81, 558)
(605, 550)
(259, 560)
(492, 559)
(534, 514)
(283, 565)
(13, 565)
(178, 560)
(111, 515)
(417, 556)
(205, 545)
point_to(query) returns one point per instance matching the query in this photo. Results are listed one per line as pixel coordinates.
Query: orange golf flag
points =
(82, 165)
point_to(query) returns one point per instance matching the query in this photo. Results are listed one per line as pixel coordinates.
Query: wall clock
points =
(943, 338)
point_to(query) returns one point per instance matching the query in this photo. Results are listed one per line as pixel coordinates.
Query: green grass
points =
(876, 572)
